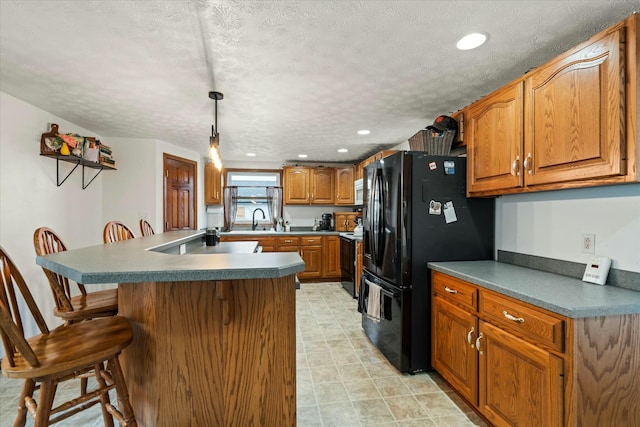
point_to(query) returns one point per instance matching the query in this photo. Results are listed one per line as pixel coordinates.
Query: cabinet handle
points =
(469, 337)
(451, 291)
(510, 317)
(478, 343)
(217, 194)
(515, 166)
(527, 163)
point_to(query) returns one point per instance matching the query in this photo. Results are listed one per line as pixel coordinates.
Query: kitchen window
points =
(247, 191)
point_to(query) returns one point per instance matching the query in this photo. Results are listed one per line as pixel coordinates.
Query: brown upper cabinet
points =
(307, 185)
(570, 123)
(212, 185)
(344, 186)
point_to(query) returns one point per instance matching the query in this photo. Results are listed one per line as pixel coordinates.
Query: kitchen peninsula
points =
(214, 333)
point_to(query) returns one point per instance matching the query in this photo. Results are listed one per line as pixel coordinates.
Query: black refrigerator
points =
(415, 211)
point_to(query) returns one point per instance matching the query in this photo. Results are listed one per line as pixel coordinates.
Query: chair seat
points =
(94, 341)
(94, 304)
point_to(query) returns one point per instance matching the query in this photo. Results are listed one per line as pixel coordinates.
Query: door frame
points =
(194, 164)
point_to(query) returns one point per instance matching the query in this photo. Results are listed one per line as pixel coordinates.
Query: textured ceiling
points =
(297, 76)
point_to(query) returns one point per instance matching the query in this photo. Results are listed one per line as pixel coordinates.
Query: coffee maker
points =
(326, 222)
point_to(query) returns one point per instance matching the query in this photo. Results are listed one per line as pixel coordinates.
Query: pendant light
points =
(214, 140)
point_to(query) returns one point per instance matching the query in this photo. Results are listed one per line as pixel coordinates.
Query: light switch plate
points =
(597, 270)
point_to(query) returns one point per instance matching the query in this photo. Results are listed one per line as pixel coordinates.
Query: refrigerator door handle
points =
(380, 220)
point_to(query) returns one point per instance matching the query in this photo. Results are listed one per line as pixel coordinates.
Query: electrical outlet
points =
(588, 243)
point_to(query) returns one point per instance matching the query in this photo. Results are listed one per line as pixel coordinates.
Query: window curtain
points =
(274, 204)
(230, 206)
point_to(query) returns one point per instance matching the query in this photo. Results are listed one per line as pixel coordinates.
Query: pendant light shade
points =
(214, 140)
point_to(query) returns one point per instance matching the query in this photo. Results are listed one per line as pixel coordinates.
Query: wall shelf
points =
(46, 151)
(77, 161)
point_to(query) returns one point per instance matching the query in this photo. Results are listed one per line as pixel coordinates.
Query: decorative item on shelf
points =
(86, 153)
(106, 156)
(214, 140)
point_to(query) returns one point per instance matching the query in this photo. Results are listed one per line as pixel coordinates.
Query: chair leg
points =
(27, 391)
(123, 394)
(45, 402)
(104, 397)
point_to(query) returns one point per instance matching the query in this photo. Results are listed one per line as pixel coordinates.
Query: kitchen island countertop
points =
(560, 294)
(142, 260)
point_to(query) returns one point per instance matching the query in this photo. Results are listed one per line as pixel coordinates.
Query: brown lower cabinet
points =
(321, 254)
(518, 364)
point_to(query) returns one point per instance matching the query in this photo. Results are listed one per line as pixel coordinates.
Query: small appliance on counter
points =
(326, 222)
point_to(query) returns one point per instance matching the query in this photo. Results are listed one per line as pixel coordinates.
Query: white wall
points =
(29, 197)
(135, 190)
(551, 224)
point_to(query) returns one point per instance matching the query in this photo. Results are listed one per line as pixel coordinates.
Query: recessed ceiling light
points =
(364, 132)
(342, 150)
(302, 156)
(251, 154)
(471, 41)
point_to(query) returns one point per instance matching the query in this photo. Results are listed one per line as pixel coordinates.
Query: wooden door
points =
(296, 186)
(495, 138)
(212, 185)
(520, 384)
(575, 115)
(331, 258)
(180, 189)
(323, 187)
(344, 186)
(453, 347)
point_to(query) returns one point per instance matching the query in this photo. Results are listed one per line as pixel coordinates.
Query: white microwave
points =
(358, 191)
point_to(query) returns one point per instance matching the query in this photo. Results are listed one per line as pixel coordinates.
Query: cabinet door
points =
(494, 141)
(520, 384)
(340, 221)
(323, 186)
(453, 347)
(575, 115)
(312, 257)
(344, 186)
(296, 186)
(331, 258)
(358, 265)
(212, 185)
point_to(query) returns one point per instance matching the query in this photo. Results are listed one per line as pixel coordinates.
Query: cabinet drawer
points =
(289, 240)
(311, 240)
(532, 323)
(266, 241)
(455, 291)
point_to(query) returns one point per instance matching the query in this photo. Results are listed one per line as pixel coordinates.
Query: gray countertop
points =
(226, 248)
(141, 260)
(560, 294)
(278, 233)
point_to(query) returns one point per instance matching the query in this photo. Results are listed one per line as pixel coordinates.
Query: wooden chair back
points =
(65, 353)
(11, 323)
(145, 228)
(116, 231)
(47, 242)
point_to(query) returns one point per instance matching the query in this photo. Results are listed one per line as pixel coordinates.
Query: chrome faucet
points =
(254, 223)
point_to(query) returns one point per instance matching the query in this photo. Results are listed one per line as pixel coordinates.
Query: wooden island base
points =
(211, 353)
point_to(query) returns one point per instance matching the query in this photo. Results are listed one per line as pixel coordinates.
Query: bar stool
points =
(59, 355)
(70, 308)
(146, 228)
(115, 231)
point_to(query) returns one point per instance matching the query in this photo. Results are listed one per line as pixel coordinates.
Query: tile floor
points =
(342, 380)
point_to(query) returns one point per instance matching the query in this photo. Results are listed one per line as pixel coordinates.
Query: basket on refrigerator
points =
(433, 142)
